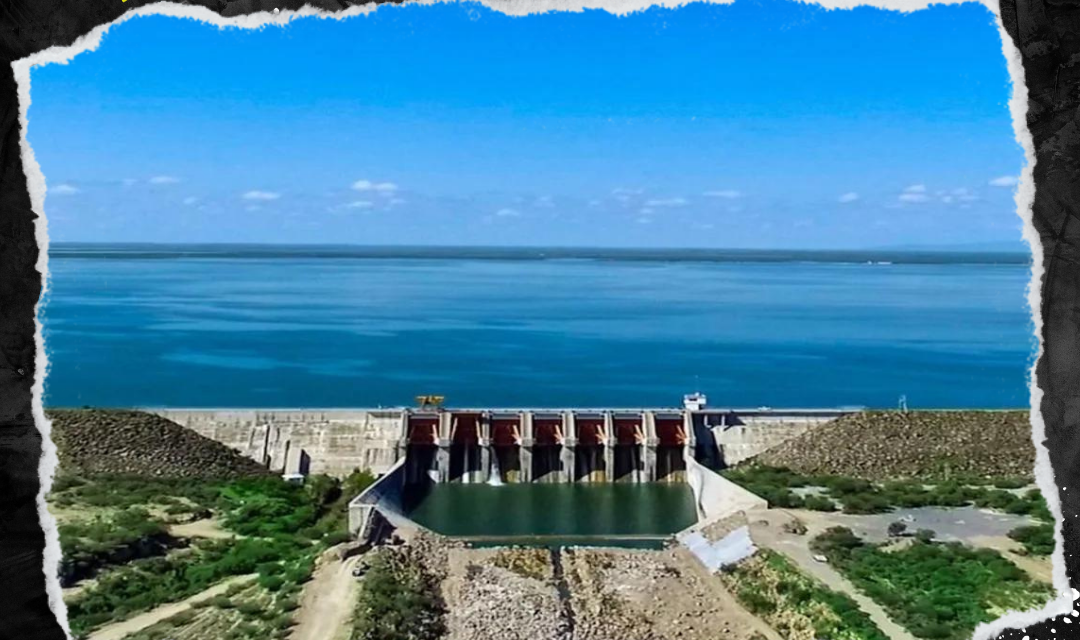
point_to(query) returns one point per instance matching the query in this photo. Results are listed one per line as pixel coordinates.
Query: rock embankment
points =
(880, 445)
(101, 441)
(498, 604)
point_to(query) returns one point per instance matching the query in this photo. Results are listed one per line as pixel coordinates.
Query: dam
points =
(422, 453)
(501, 445)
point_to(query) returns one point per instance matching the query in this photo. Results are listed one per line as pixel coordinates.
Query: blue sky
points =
(759, 124)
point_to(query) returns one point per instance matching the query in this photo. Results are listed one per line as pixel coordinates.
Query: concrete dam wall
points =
(501, 445)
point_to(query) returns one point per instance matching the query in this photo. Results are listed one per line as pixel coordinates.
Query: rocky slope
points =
(101, 441)
(879, 445)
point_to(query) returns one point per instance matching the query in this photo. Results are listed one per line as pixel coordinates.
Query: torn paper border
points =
(1024, 200)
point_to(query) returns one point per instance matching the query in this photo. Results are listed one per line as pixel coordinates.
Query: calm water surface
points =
(569, 513)
(323, 332)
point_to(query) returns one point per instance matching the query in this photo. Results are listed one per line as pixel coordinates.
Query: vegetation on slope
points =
(858, 496)
(128, 535)
(244, 612)
(1038, 540)
(937, 591)
(794, 604)
(280, 527)
(398, 599)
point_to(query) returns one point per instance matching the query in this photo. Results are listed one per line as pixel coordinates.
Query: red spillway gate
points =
(590, 430)
(423, 429)
(505, 432)
(629, 430)
(670, 431)
(465, 428)
(547, 431)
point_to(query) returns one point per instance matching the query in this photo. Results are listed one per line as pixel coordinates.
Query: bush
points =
(819, 503)
(251, 609)
(770, 586)
(1038, 539)
(398, 600)
(935, 590)
(271, 583)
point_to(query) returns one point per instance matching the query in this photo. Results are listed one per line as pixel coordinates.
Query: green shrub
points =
(397, 600)
(249, 608)
(1038, 539)
(772, 587)
(935, 590)
(271, 583)
(819, 503)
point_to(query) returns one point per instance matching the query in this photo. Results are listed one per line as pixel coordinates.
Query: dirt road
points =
(797, 549)
(327, 602)
(120, 630)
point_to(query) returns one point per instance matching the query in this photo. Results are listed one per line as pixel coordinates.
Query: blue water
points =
(302, 331)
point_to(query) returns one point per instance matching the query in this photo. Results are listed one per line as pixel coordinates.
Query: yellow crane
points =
(430, 402)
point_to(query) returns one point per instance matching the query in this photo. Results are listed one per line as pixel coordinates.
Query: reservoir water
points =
(638, 515)
(296, 328)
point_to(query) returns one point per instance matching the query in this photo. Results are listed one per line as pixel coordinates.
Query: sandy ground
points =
(766, 529)
(328, 600)
(120, 630)
(207, 528)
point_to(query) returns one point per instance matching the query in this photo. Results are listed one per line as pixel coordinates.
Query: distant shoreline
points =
(870, 257)
(534, 409)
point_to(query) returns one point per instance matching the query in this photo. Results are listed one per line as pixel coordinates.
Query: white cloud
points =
(646, 211)
(190, 200)
(1004, 181)
(380, 187)
(960, 194)
(726, 193)
(129, 181)
(644, 220)
(544, 202)
(507, 213)
(164, 180)
(64, 189)
(916, 188)
(261, 195)
(359, 204)
(666, 202)
(622, 191)
(253, 207)
(851, 196)
(913, 197)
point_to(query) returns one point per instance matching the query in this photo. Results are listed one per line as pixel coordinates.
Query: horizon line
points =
(976, 247)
